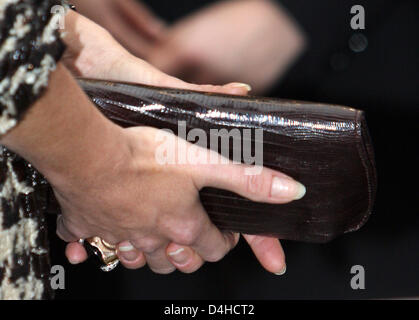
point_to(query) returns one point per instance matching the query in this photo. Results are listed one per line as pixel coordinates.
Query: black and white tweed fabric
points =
(30, 46)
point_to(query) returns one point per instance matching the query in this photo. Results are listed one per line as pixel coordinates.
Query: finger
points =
(158, 262)
(237, 88)
(253, 182)
(209, 242)
(269, 253)
(150, 75)
(75, 253)
(154, 251)
(63, 231)
(129, 256)
(142, 18)
(184, 258)
(234, 88)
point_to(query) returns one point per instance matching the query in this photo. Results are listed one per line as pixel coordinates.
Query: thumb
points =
(269, 253)
(255, 183)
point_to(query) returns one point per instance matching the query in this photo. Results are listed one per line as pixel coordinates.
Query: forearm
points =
(63, 134)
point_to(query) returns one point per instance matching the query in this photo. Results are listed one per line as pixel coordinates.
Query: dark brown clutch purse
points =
(325, 147)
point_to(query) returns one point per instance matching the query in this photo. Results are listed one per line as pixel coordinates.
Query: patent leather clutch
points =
(325, 147)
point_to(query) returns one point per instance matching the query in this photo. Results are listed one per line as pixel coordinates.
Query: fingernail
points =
(126, 248)
(241, 85)
(282, 272)
(180, 256)
(301, 191)
(287, 188)
(73, 261)
(129, 255)
(128, 252)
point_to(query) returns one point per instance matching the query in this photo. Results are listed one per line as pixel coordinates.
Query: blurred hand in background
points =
(250, 41)
(129, 21)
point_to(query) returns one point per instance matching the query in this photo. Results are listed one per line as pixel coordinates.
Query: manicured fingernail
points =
(287, 188)
(129, 256)
(282, 272)
(126, 248)
(73, 261)
(301, 191)
(241, 85)
(180, 256)
(128, 252)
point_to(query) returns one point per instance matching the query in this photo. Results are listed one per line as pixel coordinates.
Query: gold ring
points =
(105, 251)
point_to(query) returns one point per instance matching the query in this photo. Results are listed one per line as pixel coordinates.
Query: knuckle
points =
(232, 239)
(147, 245)
(215, 256)
(187, 232)
(187, 236)
(256, 185)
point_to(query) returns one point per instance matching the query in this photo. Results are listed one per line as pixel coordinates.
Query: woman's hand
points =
(151, 205)
(252, 41)
(169, 243)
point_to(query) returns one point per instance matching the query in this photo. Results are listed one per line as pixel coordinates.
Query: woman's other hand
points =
(129, 21)
(251, 41)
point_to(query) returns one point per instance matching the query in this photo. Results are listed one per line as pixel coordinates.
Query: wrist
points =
(64, 136)
(100, 150)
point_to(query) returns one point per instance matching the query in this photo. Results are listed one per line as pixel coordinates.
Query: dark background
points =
(383, 80)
